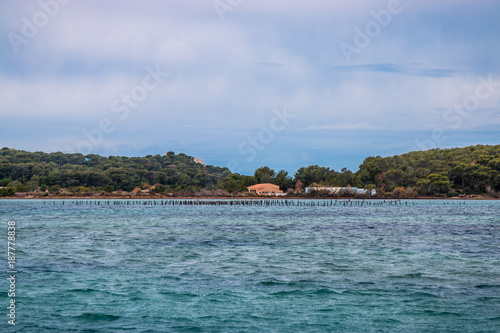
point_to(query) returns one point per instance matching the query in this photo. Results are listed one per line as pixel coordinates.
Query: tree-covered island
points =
(457, 172)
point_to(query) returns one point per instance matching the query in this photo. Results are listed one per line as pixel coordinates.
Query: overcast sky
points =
(247, 83)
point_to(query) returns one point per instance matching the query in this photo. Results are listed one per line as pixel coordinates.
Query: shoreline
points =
(230, 198)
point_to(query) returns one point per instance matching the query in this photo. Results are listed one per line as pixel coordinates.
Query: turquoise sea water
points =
(433, 266)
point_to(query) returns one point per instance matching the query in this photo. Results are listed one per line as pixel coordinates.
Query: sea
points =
(139, 266)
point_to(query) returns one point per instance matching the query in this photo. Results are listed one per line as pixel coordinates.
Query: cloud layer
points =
(408, 65)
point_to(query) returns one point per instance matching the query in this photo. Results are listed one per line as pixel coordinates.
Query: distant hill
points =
(469, 170)
(38, 169)
(473, 169)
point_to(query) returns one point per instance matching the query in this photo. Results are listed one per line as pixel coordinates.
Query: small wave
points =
(89, 291)
(294, 283)
(487, 286)
(407, 276)
(317, 292)
(423, 294)
(178, 294)
(97, 317)
(287, 292)
(273, 282)
(387, 321)
(86, 290)
(441, 313)
(188, 329)
(324, 291)
(366, 283)
(326, 310)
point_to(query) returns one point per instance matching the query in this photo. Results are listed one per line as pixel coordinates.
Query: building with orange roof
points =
(265, 189)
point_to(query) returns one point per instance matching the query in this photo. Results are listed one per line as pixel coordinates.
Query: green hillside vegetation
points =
(437, 172)
(469, 170)
(22, 171)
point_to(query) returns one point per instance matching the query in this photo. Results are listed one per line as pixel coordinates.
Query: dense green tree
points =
(7, 191)
(54, 189)
(110, 187)
(231, 183)
(313, 174)
(438, 183)
(264, 175)
(283, 180)
(394, 177)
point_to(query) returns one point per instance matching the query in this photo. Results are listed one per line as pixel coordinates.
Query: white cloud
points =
(229, 75)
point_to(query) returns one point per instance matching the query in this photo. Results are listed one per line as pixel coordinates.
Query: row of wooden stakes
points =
(243, 202)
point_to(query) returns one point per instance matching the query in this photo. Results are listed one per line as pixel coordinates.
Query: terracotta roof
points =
(260, 186)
